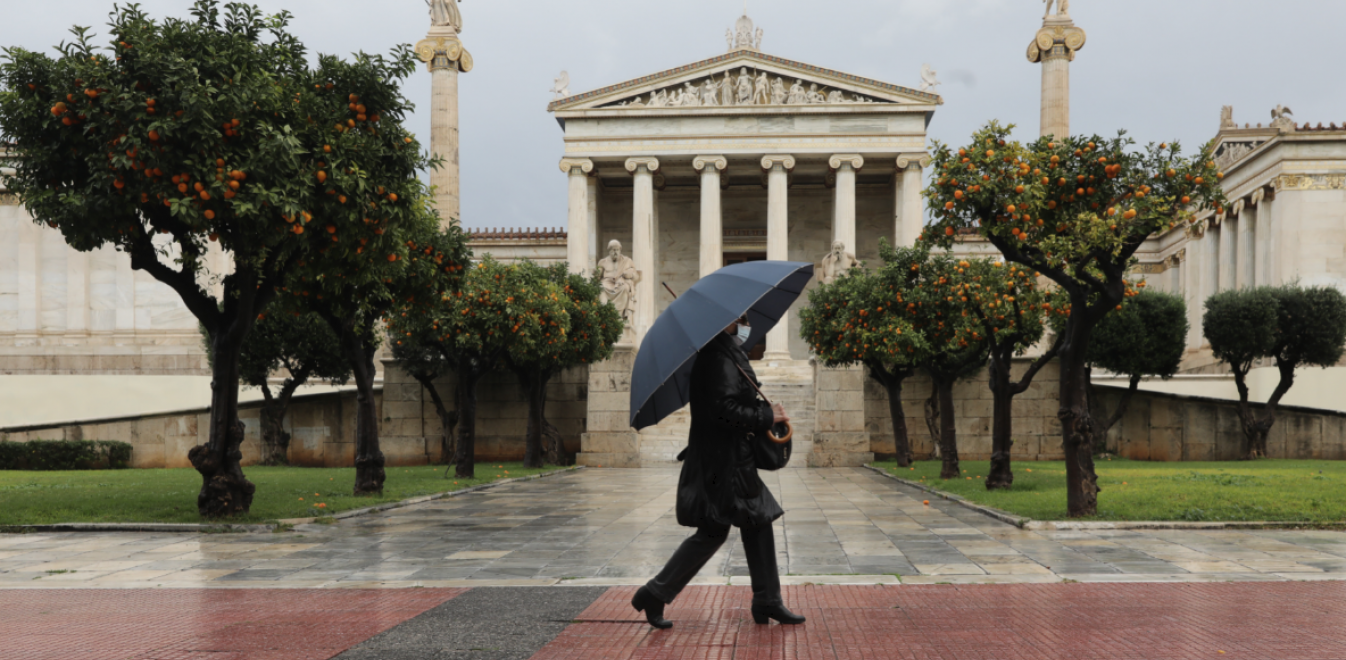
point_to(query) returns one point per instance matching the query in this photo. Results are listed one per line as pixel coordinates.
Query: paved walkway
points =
(614, 527)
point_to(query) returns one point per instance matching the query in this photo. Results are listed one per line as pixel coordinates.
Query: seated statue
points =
(836, 263)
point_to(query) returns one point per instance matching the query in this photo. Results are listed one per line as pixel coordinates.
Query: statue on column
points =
(618, 277)
(1062, 8)
(445, 12)
(836, 263)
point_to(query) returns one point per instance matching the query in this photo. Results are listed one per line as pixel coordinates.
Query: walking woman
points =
(719, 487)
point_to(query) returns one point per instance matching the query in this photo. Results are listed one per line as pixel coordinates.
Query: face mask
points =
(743, 333)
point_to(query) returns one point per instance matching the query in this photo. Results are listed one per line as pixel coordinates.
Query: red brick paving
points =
(1249, 620)
(196, 624)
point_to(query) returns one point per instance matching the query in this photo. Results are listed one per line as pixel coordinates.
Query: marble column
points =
(911, 221)
(1054, 47)
(843, 213)
(1259, 237)
(577, 232)
(591, 261)
(778, 241)
(1228, 233)
(1192, 286)
(642, 240)
(1243, 278)
(445, 56)
(712, 219)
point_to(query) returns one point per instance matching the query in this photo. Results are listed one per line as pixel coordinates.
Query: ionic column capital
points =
(650, 164)
(700, 162)
(444, 51)
(907, 160)
(1257, 196)
(1060, 39)
(784, 160)
(584, 165)
(1238, 208)
(856, 161)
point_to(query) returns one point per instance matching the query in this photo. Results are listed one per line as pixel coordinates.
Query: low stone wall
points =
(1037, 431)
(1172, 427)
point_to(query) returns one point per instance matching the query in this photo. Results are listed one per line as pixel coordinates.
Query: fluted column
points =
(1243, 277)
(591, 209)
(1259, 237)
(445, 56)
(642, 240)
(1054, 47)
(577, 232)
(1228, 235)
(778, 241)
(843, 216)
(712, 219)
(911, 220)
(1192, 285)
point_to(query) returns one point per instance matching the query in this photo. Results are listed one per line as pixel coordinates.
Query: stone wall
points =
(411, 428)
(1037, 431)
(1171, 427)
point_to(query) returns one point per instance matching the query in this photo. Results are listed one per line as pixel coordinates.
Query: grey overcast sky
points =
(1159, 68)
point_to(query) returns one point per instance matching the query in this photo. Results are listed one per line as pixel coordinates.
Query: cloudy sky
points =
(1159, 68)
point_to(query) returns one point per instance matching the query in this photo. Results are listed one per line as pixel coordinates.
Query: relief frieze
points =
(747, 87)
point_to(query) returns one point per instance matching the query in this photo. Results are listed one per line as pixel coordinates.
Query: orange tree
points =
(860, 318)
(587, 335)
(1009, 310)
(187, 132)
(933, 290)
(355, 283)
(1075, 210)
(494, 309)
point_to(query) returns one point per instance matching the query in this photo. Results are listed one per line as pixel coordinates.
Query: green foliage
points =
(588, 330)
(64, 455)
(935, 290)
(1296, 325)
(302, 344)
(1147, 337)
(860, 318)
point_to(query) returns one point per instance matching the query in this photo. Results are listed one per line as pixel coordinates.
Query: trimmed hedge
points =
(65, 455)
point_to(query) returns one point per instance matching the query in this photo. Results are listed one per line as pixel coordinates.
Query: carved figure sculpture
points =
(618, 277)
(928, 80)
(836, 96)
(1281, 112)
(744, 87)
(658, 99)
(690, 95)
(759, 39)
(778, 93)
(729, 38)
(836, 263)
(761, 93)
(710, 93)
(1062, 8)
(561, 86)
(797, 94)
(1227, 117)
(727, 89)
(445, 12)
(815, 96)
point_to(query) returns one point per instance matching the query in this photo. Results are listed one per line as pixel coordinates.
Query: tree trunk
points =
(1077, 430)
(369, 461)
(535, 389)
(448, 419)
(467, 422)
(553, 445)
(1001, 475)
(224, 489)
(1255, 431)
(931, 409)
(948, 436)
(892, 384)
(275, 440)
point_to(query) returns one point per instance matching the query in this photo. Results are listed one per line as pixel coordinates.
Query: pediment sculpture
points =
(743, 87)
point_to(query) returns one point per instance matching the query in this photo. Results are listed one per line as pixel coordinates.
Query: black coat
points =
(719, 483)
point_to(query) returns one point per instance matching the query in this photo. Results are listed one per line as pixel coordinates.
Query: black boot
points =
(646, 602)
(762, 614)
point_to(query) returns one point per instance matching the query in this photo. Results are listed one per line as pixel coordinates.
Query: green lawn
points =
(1269, 490)
(159, 495)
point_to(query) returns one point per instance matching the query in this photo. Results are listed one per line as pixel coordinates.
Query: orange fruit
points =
(322, 176)
(210, 215)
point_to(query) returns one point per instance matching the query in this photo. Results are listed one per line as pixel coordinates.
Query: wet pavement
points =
(616, 527)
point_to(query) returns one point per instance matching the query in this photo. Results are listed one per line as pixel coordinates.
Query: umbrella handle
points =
(789, 428)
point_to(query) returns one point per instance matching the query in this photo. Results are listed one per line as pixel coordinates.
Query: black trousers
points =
(758, 544)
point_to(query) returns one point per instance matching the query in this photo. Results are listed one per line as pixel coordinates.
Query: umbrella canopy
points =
(764, 290)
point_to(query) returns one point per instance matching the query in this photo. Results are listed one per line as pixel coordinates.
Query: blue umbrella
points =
(764, 290)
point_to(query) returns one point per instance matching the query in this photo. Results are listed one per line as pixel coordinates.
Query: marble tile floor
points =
(606, 527)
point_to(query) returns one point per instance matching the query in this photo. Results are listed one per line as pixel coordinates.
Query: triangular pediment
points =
(728, 80)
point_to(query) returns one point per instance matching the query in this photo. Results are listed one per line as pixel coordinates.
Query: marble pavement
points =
(614, 527)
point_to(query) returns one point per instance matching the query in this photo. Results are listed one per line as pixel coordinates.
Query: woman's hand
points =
(778, 414)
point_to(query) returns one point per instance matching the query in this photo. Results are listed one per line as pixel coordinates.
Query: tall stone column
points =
(911, 218)
(577, 232)
(712, 219)
(778, 241)
(591, 209)
(642, 240)
(1243, 277)
(1259, 237)
(445, 56)
(1228, 235)
(1192, 284)
(1054, 47)
(843, 216)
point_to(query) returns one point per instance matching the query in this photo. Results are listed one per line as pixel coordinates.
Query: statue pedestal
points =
(609, 441)
(840, 439)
